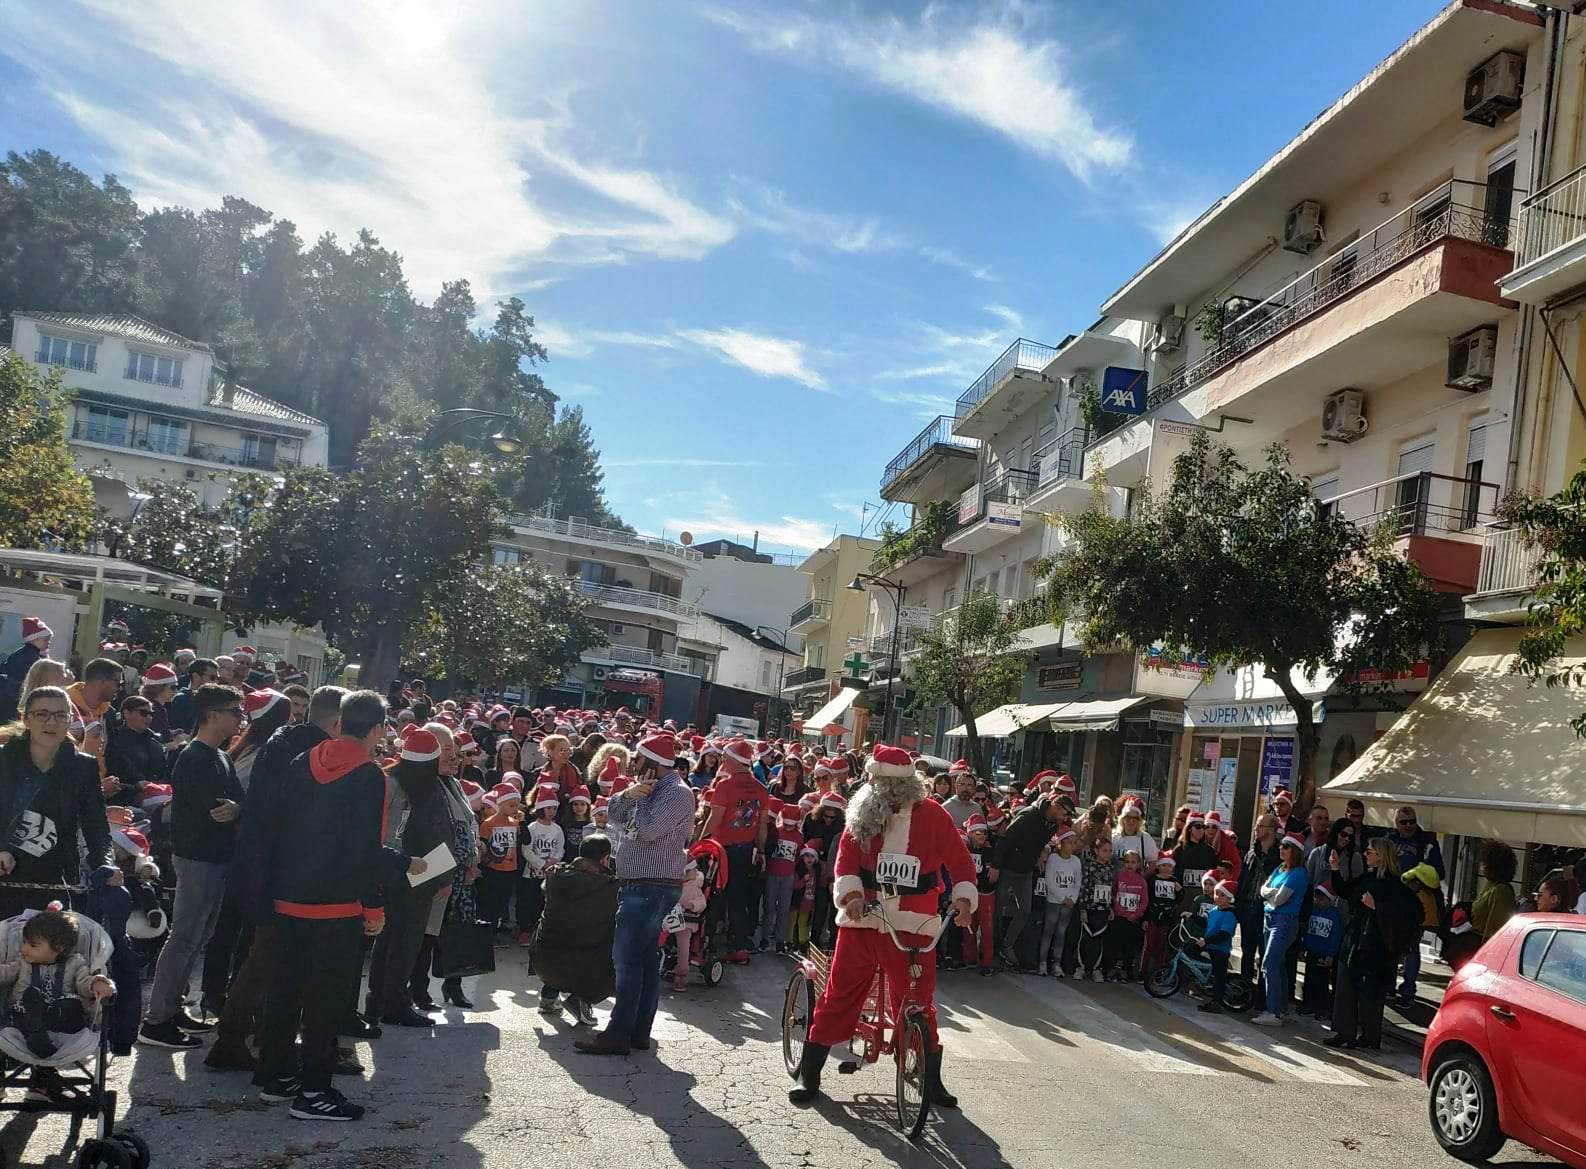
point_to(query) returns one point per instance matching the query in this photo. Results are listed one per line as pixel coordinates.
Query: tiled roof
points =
(246, 401)
(119, 325)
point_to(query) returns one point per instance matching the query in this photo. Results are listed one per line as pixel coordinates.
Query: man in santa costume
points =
(896, 833)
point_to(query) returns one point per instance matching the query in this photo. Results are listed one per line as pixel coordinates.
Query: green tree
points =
(44, 499)
(510, 624)
(367, 555)
(170, 530)
(1556, 527)
(970, 661)
(155, 630)
(1238, 564)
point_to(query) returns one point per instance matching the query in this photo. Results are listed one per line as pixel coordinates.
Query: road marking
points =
(1305, 1068)
(966, 1038)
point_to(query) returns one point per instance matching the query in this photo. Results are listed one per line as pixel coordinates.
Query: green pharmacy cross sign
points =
(855, 664)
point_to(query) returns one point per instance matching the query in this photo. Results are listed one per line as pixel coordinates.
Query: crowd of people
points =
(327, 856)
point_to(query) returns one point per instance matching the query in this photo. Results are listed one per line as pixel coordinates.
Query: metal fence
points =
(815, 609)
(1022, 354)
(638, 598)
(938, 432)
(1417, 505)
(1509, 562)
(575, 528)
(1063, 457)
(632, 655)
(1553, 218)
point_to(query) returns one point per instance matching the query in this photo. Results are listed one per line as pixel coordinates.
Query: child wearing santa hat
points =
(499, 831)
(541, 845)
(580, 822)
(781, 859)
(806, 879)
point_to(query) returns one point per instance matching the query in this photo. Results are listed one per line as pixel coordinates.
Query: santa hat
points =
(660, 747)
(156, 795)
(1228, 889)
(1066, 786)
(808, 804)
(258, 702)
(995, 815)
(808, 851)
(740, 751)
(514, 780)
(1283, 794)
(697, 743)
(1047, 777)
(34, 628)
(420, 746)
(834, 801)
(578, 793)
(1166, 858)
(609, 771)
(762, 750)
(244, 651)
(159, 674)
(503, 793)
(130, 840)
(822, 767)
(499, 712)
(885, 761)
(1066, 834)
(959, 767)
(1214, 818)
(545, 796)
(1292, 841)
(118, 626)
(474, 794)
(601, 803)
(1459, 922)
(976, 823)
(1195, 819)
(467, 746)
(838, 764)
(1327, 892)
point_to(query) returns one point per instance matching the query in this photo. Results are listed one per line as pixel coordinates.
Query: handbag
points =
(465, 948)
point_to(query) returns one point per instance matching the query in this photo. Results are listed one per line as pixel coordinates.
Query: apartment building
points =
(151, 404)
(832, 623)
(636, 584)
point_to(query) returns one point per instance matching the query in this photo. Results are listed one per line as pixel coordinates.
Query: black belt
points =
(867, 878)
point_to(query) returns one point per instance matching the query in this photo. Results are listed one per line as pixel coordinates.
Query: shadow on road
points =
(950, 1140)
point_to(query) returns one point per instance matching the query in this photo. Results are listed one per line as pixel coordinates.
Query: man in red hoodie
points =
(326, 868)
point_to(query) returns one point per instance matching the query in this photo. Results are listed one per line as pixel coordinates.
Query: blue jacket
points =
(1220, 925)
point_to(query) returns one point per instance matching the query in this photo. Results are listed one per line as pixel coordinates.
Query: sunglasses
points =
(1410, 823)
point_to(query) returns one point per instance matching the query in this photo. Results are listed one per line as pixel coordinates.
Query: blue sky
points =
(764, 243)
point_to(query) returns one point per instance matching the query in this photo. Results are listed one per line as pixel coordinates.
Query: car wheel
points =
(1464, 1109)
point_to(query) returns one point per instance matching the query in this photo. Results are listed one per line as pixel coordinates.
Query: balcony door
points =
(106, 426)
(167, 436)
(1475, 459)
(1414, 484)
(1499, 202)
(258, 451)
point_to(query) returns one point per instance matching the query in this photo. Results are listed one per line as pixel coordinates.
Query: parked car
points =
(1503, 1058)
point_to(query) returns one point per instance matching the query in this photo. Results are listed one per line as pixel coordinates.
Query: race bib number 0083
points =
(897, 868)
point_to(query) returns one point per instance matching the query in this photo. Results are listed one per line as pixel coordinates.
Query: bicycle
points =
(907, 1042)
(1165, 980)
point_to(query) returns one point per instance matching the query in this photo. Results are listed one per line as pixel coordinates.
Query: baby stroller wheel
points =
(98, 1154)
(714, 969)
(1237, 994)
(134, 1144)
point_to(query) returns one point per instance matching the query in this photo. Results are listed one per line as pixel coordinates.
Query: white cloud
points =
(376, 113)
(765, 355)
(1008, 316)
(994, 74)
(718, 517)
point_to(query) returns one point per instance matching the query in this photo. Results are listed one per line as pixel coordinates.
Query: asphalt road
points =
(1050, 1074)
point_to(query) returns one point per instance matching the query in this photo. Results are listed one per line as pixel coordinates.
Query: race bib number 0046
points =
(897, 868)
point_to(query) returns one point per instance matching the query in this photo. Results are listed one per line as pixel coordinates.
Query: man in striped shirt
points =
(653, 817)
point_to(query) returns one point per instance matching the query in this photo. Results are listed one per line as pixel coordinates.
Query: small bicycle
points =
(1165, 980)
(905, 1038)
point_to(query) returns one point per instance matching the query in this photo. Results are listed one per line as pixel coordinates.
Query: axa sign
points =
(1123, 390)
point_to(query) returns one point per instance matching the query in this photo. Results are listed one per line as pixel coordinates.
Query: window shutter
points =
(1476, 446)
(1417, 460)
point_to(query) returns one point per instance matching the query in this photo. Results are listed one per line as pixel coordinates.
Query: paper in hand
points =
(437, 862)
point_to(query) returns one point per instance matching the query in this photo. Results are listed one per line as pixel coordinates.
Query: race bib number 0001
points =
(897, 868)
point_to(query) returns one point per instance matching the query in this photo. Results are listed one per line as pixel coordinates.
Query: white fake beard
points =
(872, 805)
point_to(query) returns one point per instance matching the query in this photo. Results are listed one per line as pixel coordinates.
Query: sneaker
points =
(1057, 972)
(1267, 1019)
(585, 1014)
(280, 1089)
(679, 987)
(550, 1006)
(169, 1035)
(1097, 976)
(327, 1105)
(985, 972)
(187, 1023)
(1042, 970)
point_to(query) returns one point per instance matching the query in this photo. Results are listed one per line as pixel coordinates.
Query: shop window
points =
(1344, 752)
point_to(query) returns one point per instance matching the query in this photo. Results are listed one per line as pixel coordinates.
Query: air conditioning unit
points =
(1470, 359)
(1344, 416)
(1302, 228)
(1492, 90)
(599, 673)
(192, 474)
(1169, 333)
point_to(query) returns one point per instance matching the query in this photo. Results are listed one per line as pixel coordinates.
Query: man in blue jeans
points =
(654, 816)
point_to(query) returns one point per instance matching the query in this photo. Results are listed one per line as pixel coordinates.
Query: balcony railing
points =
(255, 459)
(632, 655)
(574, 528)
(1022, 354)
(1553, 218)
(937, 432)
(1509, 562)
(814, 609)
(1062, 458)
(1007, 486)
(1421, 504)
(879, 644)
(174, 380)
(86, 364)
(803, 676)
(638, 598)
(1432, 220)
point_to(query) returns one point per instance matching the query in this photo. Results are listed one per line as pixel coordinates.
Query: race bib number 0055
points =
(897, 868)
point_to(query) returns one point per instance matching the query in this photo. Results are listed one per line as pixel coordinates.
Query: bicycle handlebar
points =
(875, 908)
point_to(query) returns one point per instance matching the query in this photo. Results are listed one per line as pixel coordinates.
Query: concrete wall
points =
(755, 594)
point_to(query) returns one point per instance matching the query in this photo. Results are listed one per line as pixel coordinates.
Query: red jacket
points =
(924, 833)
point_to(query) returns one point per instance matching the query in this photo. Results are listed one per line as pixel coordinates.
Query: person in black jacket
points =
(1260, 861)
(203, 672)
(36, 637)
(1384, 921)
(1016, 854)
(134, 754)
(327, 875)
(206, 801)
(571, 950)
(248, 883)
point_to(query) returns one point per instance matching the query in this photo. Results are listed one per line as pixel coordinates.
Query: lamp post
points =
(506, 440)
(781, 664)
(861, 579)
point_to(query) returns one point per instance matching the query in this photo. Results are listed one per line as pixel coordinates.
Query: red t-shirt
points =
(783, 852)
(743, 801)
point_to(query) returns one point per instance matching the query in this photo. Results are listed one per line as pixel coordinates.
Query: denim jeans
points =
(636, 953)
(1282, 929)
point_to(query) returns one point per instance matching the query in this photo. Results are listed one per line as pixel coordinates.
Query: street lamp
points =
(861, 579)
(781, 664)
(506, 440)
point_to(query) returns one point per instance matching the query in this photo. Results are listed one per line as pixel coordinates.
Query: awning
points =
(830, 715)
(1483, 752)
(1092, 714)
(1006, 720)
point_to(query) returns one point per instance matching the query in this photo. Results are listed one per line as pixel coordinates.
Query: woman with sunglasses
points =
(1383, 920)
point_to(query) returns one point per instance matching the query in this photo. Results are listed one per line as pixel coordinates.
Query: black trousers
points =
(396, 948)
(227, 949)
(1250, 935)
(740, 895)
(1357, 1013)
(308, 992)
(245, 1000)
(495, 895)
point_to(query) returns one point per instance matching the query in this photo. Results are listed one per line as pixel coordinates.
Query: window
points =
(1475, 459)
(765, 675)
(104, 425)
(818, 654)
(162, 371)
(1323, 490)
(1498, 203)
(505, 556)
(1531, 951)
(1564, 965)
(1430, 217)
(71, 354)
(1414, 483)
(258, 450)
(167, 436)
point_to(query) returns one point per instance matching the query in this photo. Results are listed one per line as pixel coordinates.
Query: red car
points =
(1505, 1057)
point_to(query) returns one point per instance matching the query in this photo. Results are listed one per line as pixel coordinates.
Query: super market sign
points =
(1247, 714)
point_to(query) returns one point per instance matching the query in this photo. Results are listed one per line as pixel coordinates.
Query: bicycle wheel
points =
(913, 1106)
(798, 1008)
(1237, 994)
(1163, 981)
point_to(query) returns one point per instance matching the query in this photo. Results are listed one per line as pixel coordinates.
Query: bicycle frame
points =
(1200, 969)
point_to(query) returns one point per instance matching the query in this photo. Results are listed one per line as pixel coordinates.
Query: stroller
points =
(709, 925)
(80, 1063)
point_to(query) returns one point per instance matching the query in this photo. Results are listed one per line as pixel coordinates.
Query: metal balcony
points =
(910, 476)
(803, 676)
(637, 599)
(1550, 242)
(1438, 519)
(575, 528)
(813, 612)
(632, 655)
(1509, 562)
(990, 512)
(1019, 365)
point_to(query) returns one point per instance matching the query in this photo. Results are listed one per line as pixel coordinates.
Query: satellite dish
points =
(686, 539)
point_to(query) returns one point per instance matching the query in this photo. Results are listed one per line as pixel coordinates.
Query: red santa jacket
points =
(924, 833)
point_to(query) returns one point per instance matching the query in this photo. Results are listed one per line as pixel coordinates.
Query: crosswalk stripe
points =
(1305, 1068)
(965, 1038)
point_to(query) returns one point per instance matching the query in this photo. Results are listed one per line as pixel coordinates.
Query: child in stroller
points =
(691, 934)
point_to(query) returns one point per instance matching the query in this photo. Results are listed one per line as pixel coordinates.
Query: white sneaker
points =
(1057, 972)
(1097, 976)
(1042, 971)
(1267, 1019)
